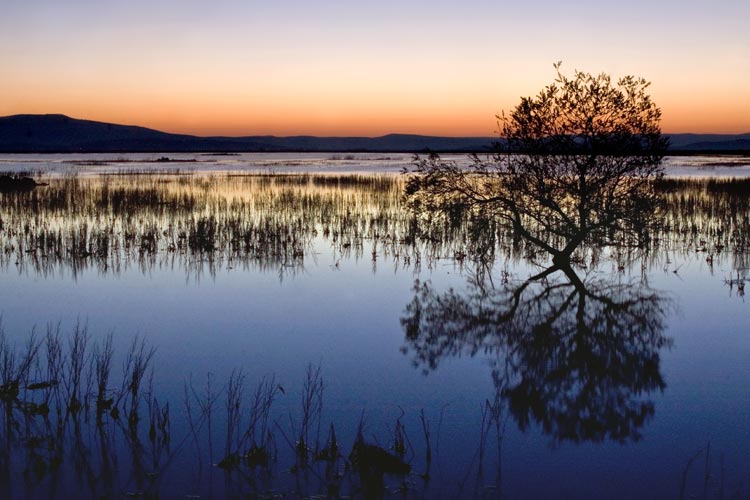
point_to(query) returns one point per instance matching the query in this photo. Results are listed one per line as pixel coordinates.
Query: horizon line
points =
(459, 136)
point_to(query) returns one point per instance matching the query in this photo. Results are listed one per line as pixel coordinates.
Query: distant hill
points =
(709, 142)
(62, 134)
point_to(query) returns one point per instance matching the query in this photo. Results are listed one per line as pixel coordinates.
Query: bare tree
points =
(574, 164)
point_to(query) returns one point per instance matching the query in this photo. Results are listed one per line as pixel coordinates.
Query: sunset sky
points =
(242, 67)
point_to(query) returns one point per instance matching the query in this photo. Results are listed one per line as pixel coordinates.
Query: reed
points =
(111, 456)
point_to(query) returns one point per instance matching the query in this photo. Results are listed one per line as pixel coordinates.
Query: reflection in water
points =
(579, 357)
(708, 216)
(202, 223)
(73, 426)
(191, 222)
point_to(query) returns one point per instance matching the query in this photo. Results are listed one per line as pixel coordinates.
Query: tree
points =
(574, 164)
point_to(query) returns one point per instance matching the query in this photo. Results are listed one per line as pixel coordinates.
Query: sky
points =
(327, 67)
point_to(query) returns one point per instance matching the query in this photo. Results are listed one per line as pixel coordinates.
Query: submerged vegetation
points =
(80, 419)
(76, 414)
(114, 221)
(75, 424)
(205, 223)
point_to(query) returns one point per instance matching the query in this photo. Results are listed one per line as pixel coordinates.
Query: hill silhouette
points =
(62, 134)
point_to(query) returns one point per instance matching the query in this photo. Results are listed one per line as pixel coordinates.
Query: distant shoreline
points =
(58, 134)
(719, 152)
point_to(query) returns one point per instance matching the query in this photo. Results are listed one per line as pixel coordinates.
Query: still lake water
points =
(239, 262)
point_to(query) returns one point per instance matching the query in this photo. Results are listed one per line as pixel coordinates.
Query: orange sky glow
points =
(253, 69)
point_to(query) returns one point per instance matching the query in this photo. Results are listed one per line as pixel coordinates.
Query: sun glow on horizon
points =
(246, 68)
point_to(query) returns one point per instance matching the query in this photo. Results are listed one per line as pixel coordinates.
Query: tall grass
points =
(203, 223)
(69, 413)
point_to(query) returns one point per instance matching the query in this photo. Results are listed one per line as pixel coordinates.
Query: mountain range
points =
(62, 134)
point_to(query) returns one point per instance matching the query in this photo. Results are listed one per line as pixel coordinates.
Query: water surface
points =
(273, 264)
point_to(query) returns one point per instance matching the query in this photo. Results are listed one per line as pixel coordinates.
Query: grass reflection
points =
(66, 414)
(72, 422)
(203, 223)
(199, 222)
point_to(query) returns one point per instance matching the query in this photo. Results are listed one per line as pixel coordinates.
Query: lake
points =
(281, 324)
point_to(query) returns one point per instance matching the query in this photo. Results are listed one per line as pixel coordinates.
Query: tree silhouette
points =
(579, 357)
(574, 164)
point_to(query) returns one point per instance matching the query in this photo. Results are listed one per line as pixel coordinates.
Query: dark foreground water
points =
(242, 333)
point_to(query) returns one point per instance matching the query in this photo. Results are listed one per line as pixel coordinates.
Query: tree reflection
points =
(580, 357)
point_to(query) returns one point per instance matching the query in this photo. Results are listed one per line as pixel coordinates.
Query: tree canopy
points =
(576, 163)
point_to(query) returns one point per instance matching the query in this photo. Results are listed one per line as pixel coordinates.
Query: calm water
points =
(240, 263)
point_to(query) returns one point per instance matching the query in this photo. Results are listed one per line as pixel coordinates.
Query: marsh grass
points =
(55, 392)
(707, 480)
(73, 421)
(276, 222)
(68, 412)
(318, 466)
(707, 218)
(200, 222)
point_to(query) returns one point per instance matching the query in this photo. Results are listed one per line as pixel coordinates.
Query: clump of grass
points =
(73, 380)
(254, 447)
(103, 366)
(312, 407)
(202, 415)
(137, 363)
(714, 185)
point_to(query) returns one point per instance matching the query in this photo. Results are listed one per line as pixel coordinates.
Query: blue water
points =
(344, 314)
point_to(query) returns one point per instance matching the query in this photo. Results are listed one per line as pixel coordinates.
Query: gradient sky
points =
(325, 67)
